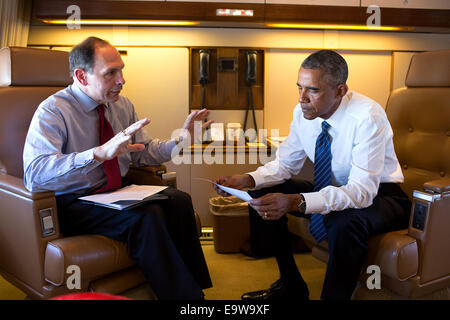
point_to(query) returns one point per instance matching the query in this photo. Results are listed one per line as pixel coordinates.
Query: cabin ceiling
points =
(204, 14)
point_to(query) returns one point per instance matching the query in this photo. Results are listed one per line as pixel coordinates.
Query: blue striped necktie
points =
(322, 178)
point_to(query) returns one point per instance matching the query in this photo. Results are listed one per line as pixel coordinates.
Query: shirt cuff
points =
(258, 179)
(170, 144)
(85, 158)
(314, 202)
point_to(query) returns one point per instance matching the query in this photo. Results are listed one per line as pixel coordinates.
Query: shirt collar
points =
(335, 121)
(86, 102)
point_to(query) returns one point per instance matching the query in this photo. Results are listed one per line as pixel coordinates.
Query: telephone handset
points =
(204, 79)
(204, 67)
(250, 78)
(251, 68)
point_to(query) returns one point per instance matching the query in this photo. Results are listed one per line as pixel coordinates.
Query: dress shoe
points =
(278, 291)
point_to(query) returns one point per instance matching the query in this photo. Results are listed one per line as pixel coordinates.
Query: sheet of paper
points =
(243, 195)
(131, 192)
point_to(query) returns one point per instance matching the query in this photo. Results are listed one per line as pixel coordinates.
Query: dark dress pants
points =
(161, 236)
(348, 233)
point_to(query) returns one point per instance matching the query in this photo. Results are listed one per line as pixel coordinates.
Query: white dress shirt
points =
(362, 151)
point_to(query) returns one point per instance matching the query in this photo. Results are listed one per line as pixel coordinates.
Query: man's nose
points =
(303, 97)
(120, 79)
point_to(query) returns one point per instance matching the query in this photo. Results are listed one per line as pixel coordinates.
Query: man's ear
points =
(81, 76)
(341, 90)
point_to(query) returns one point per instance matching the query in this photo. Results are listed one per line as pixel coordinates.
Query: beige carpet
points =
(234, 273)
(10, 292)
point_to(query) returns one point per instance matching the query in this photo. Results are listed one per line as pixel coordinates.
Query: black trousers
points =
(161, 236)
(348, 233)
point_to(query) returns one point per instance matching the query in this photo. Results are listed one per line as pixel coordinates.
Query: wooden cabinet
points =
(408, 4)
(222, 1)
(347, 3)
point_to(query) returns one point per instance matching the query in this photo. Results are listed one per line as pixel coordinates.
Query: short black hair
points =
(332, 63)
(82, 56)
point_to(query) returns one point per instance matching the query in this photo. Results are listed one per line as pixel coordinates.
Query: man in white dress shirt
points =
(355, 193)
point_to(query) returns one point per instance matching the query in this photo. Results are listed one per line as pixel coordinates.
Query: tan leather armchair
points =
(415, 261)
(34, 255)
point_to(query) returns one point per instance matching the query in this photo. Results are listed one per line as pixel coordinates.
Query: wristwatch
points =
(301, 204)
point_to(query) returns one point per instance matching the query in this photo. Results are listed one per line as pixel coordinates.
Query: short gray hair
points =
(82, 56)
(332, 63)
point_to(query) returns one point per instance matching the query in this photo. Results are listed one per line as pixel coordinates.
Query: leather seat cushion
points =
(96, 256)
(396, 254)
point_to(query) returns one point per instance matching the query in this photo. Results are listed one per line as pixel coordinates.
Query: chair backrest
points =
(27, 77)
(420, 118)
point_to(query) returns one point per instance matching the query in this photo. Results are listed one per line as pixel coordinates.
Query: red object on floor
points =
(89, 296)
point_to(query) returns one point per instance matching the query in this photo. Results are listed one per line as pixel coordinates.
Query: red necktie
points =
(111, 167)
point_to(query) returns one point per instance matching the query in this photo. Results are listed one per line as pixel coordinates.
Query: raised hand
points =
(120, 143)
(189, 124)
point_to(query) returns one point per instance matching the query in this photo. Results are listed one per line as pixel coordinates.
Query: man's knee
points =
(346, 226)
(258, 193)
(178, 195)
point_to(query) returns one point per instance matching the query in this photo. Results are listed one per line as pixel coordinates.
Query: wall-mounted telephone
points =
(204, 79)
(204, 67)
(250, 78)
(251, 68)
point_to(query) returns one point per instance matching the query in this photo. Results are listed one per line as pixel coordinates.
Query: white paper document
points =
(127, 196)
(243, 195)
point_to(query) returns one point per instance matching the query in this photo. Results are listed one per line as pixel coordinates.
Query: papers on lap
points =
(126, 197)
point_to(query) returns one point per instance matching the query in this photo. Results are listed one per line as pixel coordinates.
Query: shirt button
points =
(405, 166)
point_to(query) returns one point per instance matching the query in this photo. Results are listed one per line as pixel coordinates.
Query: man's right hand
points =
(237, 181)
(120, 143)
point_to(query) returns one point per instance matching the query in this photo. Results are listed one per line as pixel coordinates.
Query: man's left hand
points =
(273, 206)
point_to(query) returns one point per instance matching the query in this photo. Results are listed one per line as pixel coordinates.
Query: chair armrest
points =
(23, 244)
(152, 175)
(395, 253)
(15, 185)
(437, 186)
(433, 237)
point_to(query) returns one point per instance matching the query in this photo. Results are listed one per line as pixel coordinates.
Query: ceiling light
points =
(332, 26)
(234, 13)
(122, 22)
